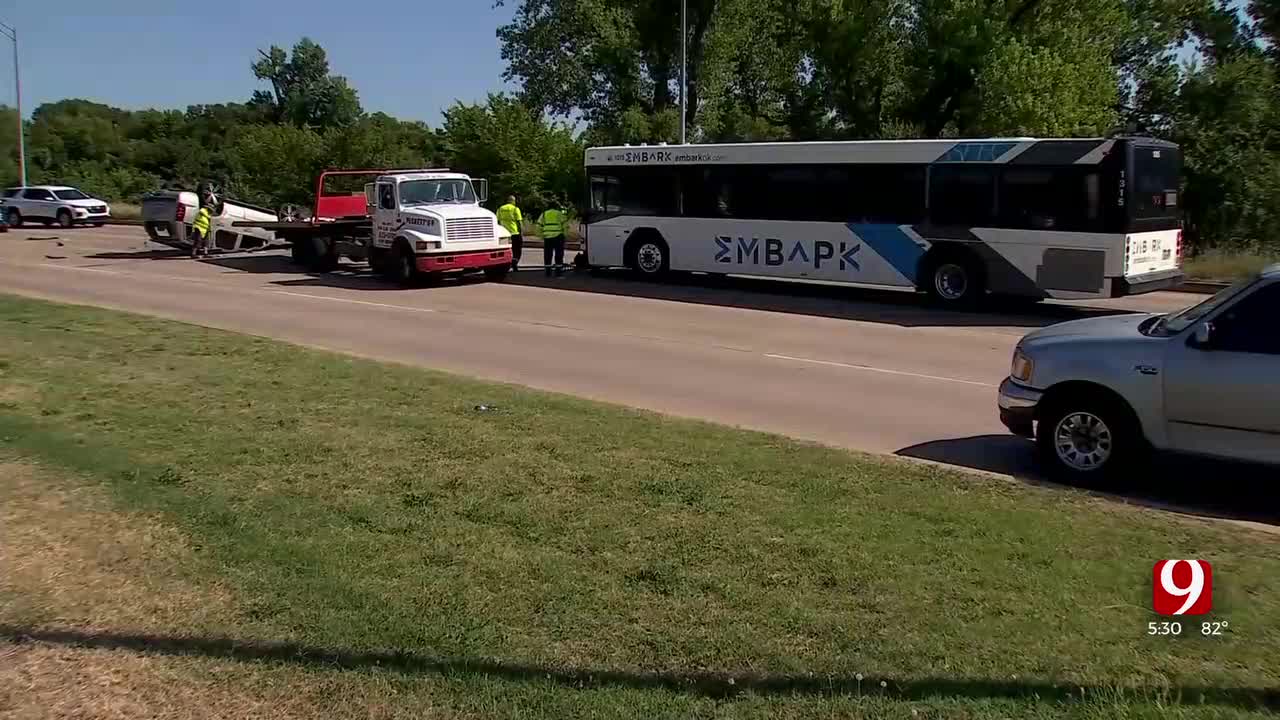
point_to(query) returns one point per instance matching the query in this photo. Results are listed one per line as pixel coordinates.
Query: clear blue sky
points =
(406, 58)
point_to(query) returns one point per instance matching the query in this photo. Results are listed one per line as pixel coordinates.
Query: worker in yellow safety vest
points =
(509, 217)
(200, 232)
(551, 227)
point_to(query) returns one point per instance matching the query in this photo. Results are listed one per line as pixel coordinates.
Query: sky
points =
(405, 58)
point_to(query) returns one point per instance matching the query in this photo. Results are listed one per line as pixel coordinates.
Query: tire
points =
(64, 219)
(323, 255)
(377, 261)
(403, 267)
(98, 224)
(649, 256)
(298, 248)
(1084, 438)
(14, 218)
(497, 274)
(953, 279)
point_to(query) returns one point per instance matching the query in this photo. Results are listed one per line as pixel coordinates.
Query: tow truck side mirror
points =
(481, 186)
(370, 197)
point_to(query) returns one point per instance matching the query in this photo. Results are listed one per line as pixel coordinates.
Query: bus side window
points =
(964, 196)
(1050, 198)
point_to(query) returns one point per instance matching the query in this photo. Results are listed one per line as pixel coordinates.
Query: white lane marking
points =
(73, 267)
(885, 371)
(354, 302)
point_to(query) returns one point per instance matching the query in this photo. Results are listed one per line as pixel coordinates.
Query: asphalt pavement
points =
(870, 370)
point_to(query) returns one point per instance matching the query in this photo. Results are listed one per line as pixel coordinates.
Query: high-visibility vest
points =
(551, 223)
(509, 217)
(201, 222)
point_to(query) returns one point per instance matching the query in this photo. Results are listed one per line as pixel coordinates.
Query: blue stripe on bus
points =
(891, 243)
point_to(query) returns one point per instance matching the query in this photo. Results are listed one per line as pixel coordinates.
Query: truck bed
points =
(307, 227)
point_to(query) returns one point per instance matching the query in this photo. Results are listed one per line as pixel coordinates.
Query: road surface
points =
(870, 370)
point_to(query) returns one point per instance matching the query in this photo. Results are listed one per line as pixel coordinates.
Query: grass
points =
(1227, 265)
(553, 557)
(126, 211)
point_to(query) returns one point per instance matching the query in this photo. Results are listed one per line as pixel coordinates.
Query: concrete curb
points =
(1200, 287)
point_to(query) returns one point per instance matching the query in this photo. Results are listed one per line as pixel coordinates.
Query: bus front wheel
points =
(648, 255)
(954, 280)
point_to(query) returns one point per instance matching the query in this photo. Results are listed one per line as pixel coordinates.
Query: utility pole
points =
(12, 33)
(684, 39)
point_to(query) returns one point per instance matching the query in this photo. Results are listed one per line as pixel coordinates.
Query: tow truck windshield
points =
(422, 192)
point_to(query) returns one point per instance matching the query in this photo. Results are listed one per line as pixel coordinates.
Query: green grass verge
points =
(556, 557)
(1227, 265)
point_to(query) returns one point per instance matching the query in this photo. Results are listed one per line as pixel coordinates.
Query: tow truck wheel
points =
(377, 261)
(404, 267)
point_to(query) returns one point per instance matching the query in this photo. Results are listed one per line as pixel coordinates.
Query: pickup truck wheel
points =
(1086, 438)
(64, 218)
(14, 218)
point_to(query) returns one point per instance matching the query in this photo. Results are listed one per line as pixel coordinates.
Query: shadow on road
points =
(166, 254)
(906, 309)
(893, 307)
(701, 684)
(1188, 486)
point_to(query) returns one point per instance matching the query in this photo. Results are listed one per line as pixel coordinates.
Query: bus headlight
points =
(1022, 368)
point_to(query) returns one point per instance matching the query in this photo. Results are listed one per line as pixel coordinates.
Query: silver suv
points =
(1096, 394)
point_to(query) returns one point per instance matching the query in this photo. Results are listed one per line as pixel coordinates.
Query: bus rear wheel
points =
(953, 280)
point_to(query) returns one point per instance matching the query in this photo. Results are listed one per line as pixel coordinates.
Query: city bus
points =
(957, 219)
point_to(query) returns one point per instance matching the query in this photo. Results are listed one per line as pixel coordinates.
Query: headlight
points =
(423, 245)
(1022, 366)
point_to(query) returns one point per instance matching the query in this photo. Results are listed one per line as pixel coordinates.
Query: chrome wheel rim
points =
(649, 257)
(951, 281)
(1083, 441)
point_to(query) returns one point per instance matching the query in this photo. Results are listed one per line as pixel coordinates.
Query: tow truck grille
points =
(480, 228)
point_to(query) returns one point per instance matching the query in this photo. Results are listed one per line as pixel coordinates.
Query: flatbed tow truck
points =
(409, 225)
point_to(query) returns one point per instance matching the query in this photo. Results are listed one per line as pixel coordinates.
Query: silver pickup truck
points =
(1098, 394)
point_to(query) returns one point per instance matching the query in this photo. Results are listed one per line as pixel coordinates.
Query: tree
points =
(303, 93)
(605, 58)
(517, 150)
